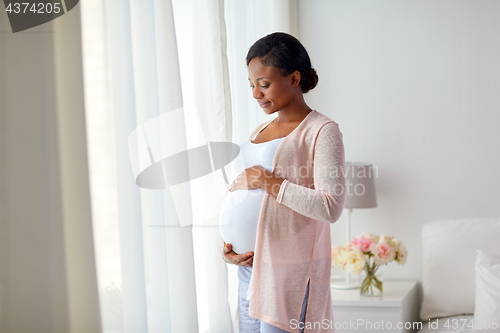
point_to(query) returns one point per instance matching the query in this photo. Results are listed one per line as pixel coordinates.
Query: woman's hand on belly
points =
(245, 260)
(257, 177)
(250, 178)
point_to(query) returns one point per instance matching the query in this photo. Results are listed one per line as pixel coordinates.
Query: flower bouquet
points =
(366, 253)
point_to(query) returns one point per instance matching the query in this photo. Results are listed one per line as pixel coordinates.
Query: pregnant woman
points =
(293, 175)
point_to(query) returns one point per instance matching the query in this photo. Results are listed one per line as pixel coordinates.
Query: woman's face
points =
(272, 91)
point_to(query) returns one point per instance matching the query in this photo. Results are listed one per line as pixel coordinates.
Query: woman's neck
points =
(293, 112)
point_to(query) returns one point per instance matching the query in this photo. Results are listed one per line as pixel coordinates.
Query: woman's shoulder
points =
(323, 118)
(321, 124)
(328, 130)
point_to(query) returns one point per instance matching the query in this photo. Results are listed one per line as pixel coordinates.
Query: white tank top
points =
(240, 211)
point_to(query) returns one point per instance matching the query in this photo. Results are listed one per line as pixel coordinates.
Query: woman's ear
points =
(295, 76)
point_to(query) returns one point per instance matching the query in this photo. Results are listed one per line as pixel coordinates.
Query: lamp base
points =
(340, 282)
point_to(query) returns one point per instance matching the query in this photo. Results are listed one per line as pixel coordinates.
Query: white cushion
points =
(487, 309)
(449, 254)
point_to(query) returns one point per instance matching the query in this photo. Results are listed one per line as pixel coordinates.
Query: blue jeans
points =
(249, 324)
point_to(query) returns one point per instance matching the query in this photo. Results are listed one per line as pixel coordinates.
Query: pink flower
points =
(362, 243)
(384, 253)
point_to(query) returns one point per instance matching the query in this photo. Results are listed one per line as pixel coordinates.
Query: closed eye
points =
(266, 86)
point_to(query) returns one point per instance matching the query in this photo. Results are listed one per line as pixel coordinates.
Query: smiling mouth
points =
(264, 105)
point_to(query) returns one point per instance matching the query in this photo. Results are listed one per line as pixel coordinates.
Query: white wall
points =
(414, 87)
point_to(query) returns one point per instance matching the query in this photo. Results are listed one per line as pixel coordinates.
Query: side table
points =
(396, 311)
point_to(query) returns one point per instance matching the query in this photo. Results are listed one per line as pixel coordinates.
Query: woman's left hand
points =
(250, 178)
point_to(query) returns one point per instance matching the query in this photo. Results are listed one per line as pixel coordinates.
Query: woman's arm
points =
(326, 201)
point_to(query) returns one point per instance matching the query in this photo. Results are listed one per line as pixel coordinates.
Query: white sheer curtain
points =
(146, 255)
(247, 21)
(159, 251)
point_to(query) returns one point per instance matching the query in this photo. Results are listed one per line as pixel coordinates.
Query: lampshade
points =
(360, 185)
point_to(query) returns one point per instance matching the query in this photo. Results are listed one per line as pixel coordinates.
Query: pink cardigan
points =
(293, 235)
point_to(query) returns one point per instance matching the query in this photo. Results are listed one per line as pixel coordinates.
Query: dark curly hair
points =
(285, 52)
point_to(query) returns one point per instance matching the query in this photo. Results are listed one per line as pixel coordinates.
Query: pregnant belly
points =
(239, 217)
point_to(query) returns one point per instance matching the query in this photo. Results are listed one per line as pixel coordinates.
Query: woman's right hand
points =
(245, 260)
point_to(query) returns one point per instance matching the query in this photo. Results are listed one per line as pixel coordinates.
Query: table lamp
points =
(360, 193)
